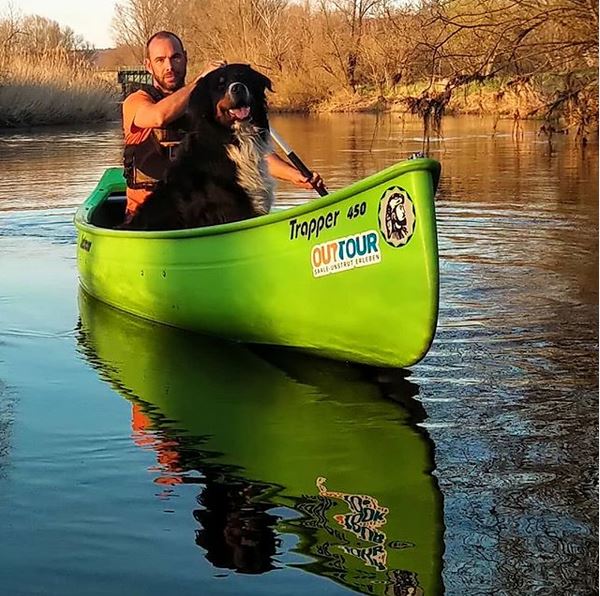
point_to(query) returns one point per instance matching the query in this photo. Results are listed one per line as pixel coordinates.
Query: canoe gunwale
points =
(107, 186)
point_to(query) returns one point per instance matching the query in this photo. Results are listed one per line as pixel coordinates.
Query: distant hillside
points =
(112, 58)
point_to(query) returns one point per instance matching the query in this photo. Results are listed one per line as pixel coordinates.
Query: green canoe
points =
(350, 276)
(256, 428)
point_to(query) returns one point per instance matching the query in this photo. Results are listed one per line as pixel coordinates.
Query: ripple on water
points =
(55, 225)
(509, 386)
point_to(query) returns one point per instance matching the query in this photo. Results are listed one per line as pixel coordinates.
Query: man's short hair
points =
(163, 35)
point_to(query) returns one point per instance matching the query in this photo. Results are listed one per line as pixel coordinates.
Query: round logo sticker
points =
(396, 216)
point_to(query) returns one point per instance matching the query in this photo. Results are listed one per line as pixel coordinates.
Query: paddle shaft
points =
(291, 155)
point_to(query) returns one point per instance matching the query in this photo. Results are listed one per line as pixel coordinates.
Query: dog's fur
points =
(220, 173)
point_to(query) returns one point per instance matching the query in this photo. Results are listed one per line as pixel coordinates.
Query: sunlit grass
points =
(53, 88)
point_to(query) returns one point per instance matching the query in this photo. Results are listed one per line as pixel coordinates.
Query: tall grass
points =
(55, 87)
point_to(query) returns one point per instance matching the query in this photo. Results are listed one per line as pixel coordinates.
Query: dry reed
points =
(55, 87)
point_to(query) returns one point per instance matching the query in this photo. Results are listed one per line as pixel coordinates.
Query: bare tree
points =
(10, 26)
(135, 21)
(40, 35)
(345, 26)
(531, 48)
(518, 40)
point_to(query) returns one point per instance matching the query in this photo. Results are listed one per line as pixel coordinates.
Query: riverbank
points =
(556, 109)
(28, 101)
(522, 100)
(32, 94)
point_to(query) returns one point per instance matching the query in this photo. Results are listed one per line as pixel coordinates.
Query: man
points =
(153, 122)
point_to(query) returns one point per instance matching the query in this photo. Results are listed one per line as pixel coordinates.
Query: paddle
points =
(291, 155)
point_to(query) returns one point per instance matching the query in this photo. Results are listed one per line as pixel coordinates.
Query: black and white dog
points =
(220, 173)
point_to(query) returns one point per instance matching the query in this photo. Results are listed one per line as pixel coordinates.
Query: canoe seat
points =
(111, 212)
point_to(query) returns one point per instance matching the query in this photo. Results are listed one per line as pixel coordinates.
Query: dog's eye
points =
(221, 83)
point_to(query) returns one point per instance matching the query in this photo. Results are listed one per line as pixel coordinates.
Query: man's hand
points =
(282, 170)
(315, 182)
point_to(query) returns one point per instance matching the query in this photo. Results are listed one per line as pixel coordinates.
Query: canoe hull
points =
(330, 276)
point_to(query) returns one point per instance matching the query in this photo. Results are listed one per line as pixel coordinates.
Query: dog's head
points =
(228, 95)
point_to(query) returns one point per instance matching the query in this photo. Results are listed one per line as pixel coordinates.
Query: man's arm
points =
(157, 115)
(282, 170)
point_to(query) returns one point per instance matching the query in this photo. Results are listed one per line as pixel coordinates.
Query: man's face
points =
(167, 63)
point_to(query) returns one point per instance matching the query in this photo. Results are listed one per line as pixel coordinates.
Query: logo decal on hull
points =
(85, 244)
(396, 216)
(341, 254)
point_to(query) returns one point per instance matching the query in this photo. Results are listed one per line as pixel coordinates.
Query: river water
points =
(137, 459)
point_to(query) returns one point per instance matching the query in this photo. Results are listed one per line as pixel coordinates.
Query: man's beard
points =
(171, 85)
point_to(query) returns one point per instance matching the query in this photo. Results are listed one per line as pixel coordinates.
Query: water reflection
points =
(55, 166)
(281, 446)
(510, 384)
(59, 166)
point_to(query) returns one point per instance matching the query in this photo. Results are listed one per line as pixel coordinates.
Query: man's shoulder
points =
(140, 95)
(130, 106)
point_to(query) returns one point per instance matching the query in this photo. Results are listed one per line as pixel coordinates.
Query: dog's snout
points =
(239, 91)
(237, 88)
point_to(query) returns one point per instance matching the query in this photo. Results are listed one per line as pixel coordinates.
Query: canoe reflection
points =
(280, 444)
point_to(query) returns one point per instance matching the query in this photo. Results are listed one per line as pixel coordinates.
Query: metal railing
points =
(130, 79)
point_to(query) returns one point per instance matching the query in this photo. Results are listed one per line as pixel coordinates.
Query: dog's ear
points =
(259, 114)
(200, 106)
(260, 82)
(264, 81)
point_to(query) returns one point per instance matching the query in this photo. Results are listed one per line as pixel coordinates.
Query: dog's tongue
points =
(240, 113)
